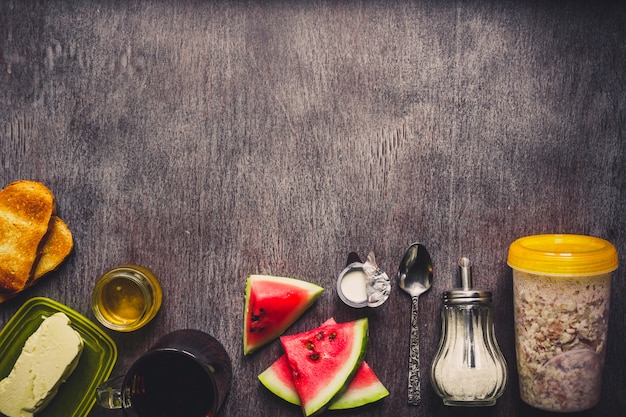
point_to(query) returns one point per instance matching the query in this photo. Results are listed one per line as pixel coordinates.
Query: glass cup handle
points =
(109, 393)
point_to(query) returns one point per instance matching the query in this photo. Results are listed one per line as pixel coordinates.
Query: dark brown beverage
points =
(170, 383)
(186, 373)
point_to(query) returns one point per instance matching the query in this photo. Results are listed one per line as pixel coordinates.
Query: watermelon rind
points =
(279, 383)
(365, 388)
(334, 384)
(285, 287)
(354, 397)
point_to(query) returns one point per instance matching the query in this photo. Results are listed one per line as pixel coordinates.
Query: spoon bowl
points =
(415, 276)
(415, 273)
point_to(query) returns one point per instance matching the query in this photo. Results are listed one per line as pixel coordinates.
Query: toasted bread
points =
(26, 209)
(58, 245)
(56, 248)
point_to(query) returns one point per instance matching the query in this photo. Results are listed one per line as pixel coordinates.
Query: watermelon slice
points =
(324, 360)
(279, 380)
(365, 387)
(272, 305)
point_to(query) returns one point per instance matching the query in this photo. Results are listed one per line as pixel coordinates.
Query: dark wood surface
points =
(211, 140)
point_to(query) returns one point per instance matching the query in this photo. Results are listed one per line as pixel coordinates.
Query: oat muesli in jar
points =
(561, 293)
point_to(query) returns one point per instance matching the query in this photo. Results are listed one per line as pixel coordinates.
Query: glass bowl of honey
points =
(126, 298)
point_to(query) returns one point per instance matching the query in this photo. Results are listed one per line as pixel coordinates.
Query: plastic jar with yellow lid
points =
(561, 294)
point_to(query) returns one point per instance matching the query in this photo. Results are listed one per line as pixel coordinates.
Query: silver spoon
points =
(414, 277)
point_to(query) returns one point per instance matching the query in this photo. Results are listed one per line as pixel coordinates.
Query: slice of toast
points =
(56, 248)
(26, 209)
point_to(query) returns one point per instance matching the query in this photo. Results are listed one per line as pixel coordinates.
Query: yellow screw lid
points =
(562, 254)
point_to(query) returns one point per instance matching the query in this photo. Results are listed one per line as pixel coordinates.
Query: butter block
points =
(47, 359)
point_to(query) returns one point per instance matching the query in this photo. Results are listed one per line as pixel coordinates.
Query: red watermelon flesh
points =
(365, 387)
(272, 304)
(324, 360)
(279, 380)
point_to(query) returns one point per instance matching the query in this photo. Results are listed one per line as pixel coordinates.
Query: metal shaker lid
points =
(466, 294)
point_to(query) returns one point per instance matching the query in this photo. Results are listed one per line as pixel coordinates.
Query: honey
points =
(126, 298)
(122, 301)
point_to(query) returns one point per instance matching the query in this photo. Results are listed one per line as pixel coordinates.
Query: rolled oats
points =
(561, 326)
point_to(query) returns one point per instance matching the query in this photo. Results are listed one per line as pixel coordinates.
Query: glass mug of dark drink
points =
(186, 373)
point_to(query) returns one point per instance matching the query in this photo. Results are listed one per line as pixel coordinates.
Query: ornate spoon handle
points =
(415, 395)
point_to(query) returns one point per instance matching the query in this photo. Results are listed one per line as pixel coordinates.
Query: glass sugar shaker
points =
(469, 368)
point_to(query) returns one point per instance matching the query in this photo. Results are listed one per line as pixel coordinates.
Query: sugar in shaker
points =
(469, 368)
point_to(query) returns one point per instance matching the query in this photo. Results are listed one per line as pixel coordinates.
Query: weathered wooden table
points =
(211, 140)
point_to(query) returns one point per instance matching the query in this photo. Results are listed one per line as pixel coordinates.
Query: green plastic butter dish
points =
(76, 396)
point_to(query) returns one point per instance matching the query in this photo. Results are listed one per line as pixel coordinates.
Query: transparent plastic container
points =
(561, 294)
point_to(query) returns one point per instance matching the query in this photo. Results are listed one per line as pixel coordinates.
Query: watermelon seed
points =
(332, 336)
(309, 345)
(259, 329)
(314, 356)
(319, 336)
(257, 317)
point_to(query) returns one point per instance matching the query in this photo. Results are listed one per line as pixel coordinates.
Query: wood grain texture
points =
(211, 140)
